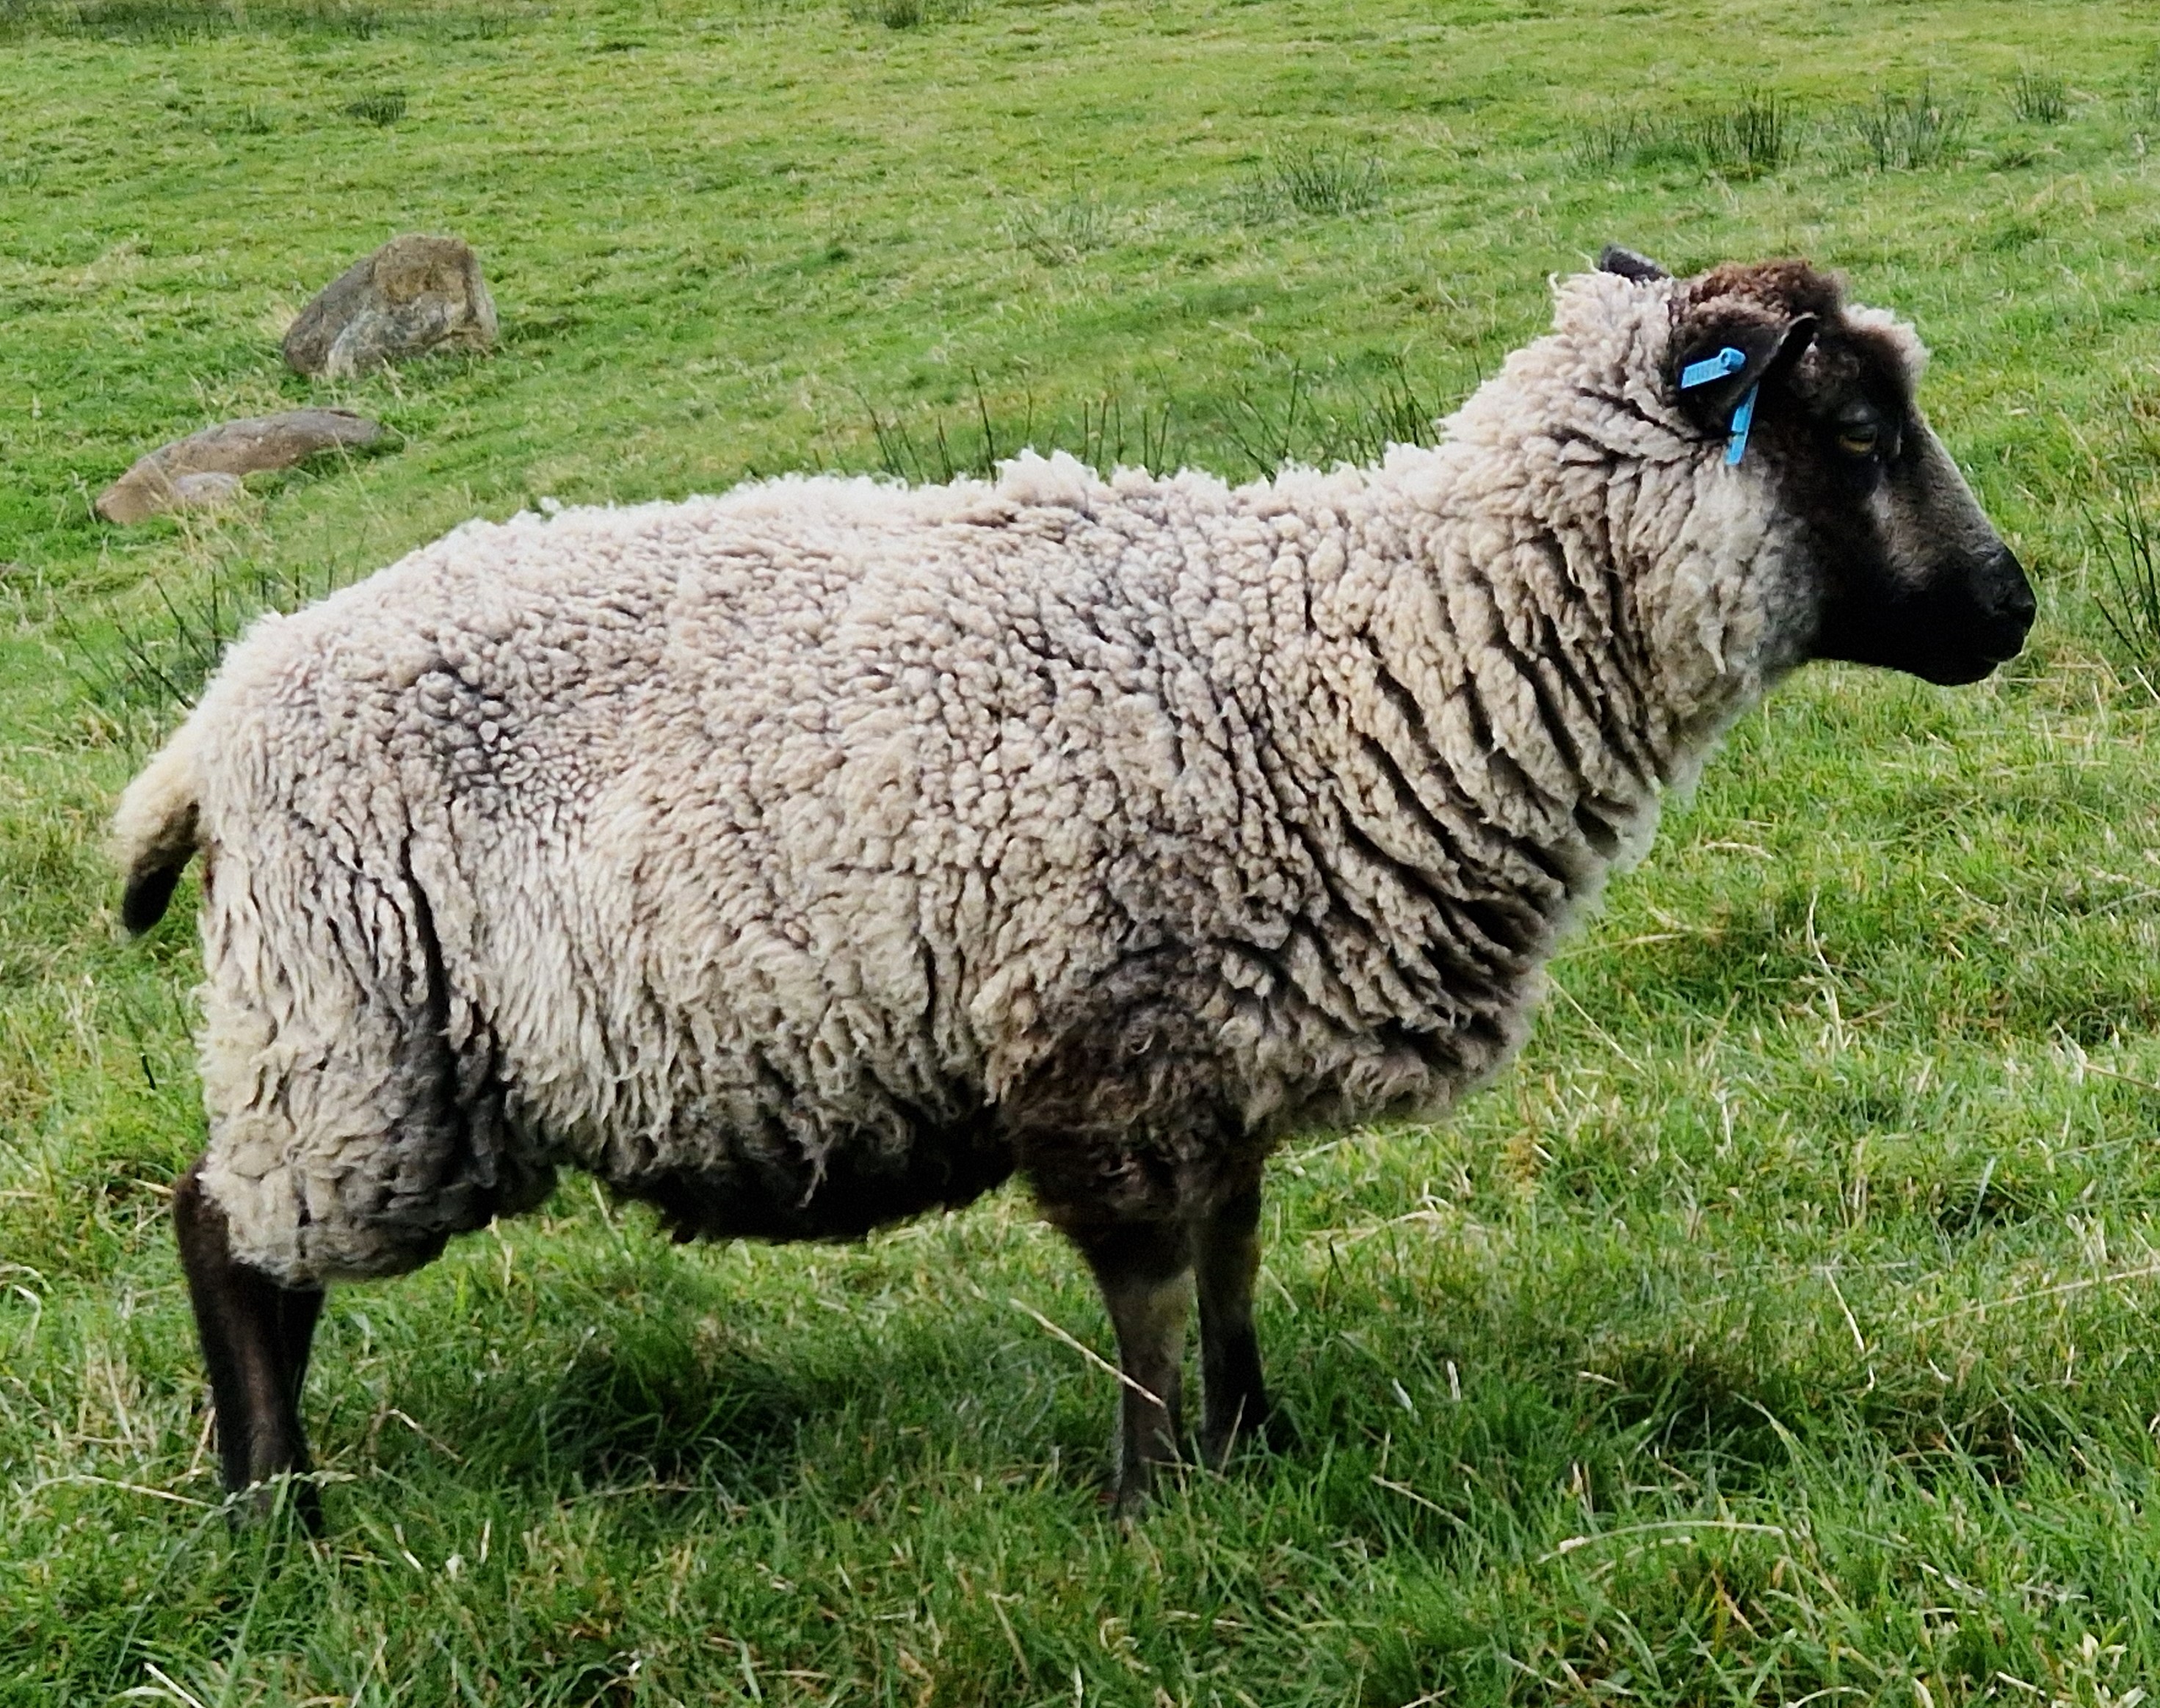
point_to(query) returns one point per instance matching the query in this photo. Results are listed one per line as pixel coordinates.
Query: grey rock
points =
(208, 490)
(203, 469)
(413, 296)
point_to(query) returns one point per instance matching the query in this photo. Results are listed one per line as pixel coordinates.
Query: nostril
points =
(2014, 602)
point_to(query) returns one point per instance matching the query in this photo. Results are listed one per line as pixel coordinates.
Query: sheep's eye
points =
(1859, 438)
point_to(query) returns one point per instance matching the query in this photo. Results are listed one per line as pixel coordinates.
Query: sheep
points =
(824, 853)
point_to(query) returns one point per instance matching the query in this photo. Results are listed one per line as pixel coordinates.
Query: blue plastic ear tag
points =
(1728, 360)
(1712, 369)
(1743, 418)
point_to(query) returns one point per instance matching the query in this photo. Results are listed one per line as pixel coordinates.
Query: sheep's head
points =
(1899, 565)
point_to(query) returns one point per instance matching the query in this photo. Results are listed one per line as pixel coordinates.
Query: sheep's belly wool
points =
(805, 858)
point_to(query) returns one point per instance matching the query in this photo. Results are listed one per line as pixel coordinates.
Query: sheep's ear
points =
(1724, 359)
(1639, 268)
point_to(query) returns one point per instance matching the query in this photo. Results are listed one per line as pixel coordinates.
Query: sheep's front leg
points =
(1236, 1396)
(1145, 1272)
(255, 1335)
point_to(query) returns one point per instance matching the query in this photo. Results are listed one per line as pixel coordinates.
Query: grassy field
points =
(1779, 1328)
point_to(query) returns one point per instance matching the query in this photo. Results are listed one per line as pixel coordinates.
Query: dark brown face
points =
(1915, 578)
(1905, 570)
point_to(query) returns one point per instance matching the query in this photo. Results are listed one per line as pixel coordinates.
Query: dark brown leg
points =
(255, 1340)
(1145, 1272)
(1236, 1397)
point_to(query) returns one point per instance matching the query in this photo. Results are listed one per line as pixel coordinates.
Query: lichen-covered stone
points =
(415, 296)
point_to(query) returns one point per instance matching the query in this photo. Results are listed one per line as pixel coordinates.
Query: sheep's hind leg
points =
(256, 1335)
(1235, 1395)
(1145, 1272)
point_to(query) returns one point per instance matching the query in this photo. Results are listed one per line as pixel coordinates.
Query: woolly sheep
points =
(823, 853)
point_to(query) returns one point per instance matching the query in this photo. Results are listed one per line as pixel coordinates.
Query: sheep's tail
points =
(154, 831)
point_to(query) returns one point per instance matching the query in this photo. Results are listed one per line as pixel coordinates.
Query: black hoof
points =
(1273, 1434)
(277, 1500)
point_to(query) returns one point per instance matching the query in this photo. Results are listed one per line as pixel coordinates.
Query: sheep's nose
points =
(2015, 602)
(2005, 605)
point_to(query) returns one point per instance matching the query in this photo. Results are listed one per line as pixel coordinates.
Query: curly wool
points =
(808, 856)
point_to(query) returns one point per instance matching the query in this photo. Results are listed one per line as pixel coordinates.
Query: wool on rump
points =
(836, 840)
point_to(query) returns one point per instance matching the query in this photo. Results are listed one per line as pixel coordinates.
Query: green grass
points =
(1779, 1328)
(1744, 138)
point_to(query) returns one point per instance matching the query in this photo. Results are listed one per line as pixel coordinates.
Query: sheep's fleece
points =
(816, 854)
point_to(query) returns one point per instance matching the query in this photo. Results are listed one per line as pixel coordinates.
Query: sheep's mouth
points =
(1963, 674)
(2000, 641)
(1945, 666)
(1951, 631)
